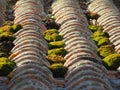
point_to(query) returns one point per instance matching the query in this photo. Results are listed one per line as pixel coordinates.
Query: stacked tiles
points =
(3, 83)
(85, 71)
(109, 19)
(2, 11)
(114, 78)
(30, 49)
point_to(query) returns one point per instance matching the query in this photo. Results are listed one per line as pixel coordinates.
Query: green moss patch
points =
(50, 32)
(56, 44)
(57, 51)
(96, 39)
(55, 59)
(6, 36)
(7, 32)
(51, 16)
(98, 33)
(103, 41)
(6, 66)
(16, 27)
(105, 50)
(95, 27)
(52, 35)
(112, 62)
(58, 70)
(10, 28)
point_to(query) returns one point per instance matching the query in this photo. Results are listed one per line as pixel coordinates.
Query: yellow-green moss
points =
(10, 28)
(6, 28)
(56, 44)
(6, 66)
(1, 30)
(55, 59)
(58, 70)
(98, 33)
(52, 35)
(7, 36)
(57, 51)
(103, 41)
(96, 39)
(50, 32)
(95, 27)
(48, 38)
(112, 62)
(105, 50)
(16, 27)
(51, 16)
(56, 37)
